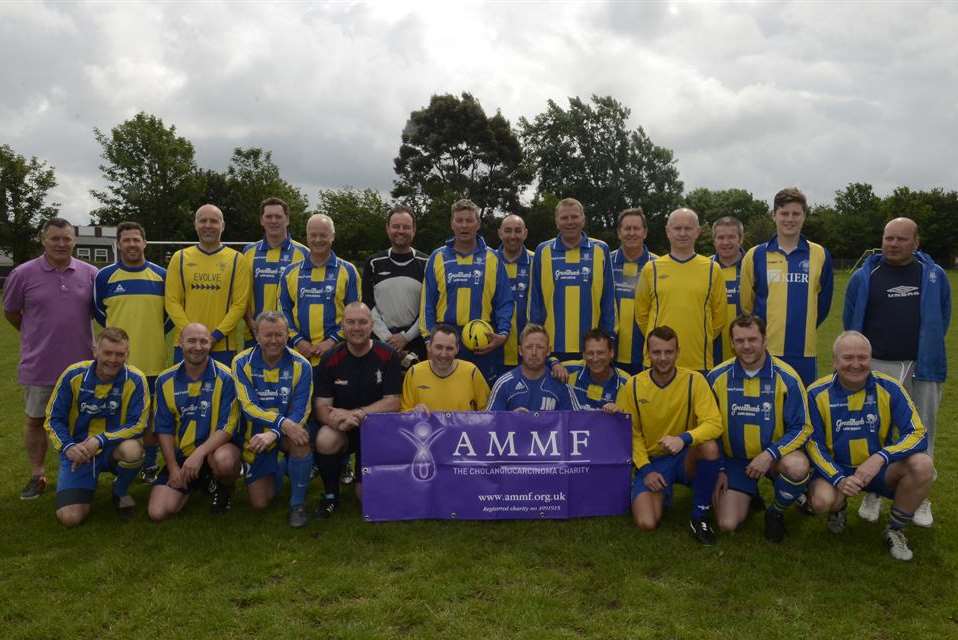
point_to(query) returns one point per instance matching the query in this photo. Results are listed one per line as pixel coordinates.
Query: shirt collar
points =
(46, 266)
(764, 373)
(802, 244)
(208, 374)
(480, 245)
(585, 242)
(522, 259)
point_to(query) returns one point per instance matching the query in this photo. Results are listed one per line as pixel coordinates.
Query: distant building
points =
(96, 244)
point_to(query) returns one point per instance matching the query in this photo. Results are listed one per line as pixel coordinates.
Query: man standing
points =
(727, 236)
(129, 294)
(358, 377)
(901, 302)
(196, 414)
(95, 417)
(518, 262)
(208, 283)
(627, 263)
(765, 425)
(313, 292)
(572, 289)
(529, 387)
(49, 300)
(595, 381)
(787, 282)
(868, 437)
(268, 258)
(465, 280)
(392, 286)
(675, 422)
(685, 291)
(274, 386)
(444, 383)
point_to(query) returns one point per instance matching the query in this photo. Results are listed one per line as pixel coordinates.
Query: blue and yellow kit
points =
(518, 273)
(465, 389)
(82, 406)
(767, 411)
(459, 288)
(685, 407)
(132, 298)
(210, 288)
(791, 292)
(269, 395)
(513, 391)
(722, 349)
(851, 426)
(631, 341)
(573, 291)
(592, 394)
(191, 410)
(266, 265)
(313, 298)
(688, 296)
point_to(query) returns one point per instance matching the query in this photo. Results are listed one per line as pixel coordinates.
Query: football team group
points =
(283, 349)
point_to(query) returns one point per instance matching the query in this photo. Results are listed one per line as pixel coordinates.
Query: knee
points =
(71, 516)
(157, 512)
(644, 519)
(328, 442)
(726, 522)
(795, 466)
(130, 452)
(224, 460)
(298, 451)
(259, 503)
(709, 450)
(921, 467)
(821, 501)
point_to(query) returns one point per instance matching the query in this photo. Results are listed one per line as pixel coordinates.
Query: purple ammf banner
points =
(495, 466)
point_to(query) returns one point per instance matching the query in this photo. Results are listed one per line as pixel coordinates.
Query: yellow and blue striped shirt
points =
(313, 298)
(592, 394)
(851, 426)
(791, 292)
(191, 410)
(518, 274)
(132, 298)
(82, 406)
(573, 291)
(266, 265)
(631, 342)
(767, 411)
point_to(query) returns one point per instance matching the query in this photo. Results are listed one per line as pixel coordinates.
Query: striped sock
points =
(899, 519)
(787, 491)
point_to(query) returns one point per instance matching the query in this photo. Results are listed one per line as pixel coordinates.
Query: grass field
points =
(249, 575)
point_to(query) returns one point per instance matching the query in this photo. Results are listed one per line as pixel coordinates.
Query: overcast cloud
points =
(757, 96)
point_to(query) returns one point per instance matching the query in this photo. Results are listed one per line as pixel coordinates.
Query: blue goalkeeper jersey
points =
(791, 292)
(573, 291)
(518, 273)
(625, 272)
(459, 288)
(851, 426)
(192, 410)
(590, 393)
(513, 391)
(766, 411)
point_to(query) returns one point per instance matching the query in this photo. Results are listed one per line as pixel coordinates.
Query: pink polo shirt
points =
(57, 308)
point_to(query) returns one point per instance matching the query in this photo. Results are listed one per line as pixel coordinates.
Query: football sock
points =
(149, 459)
(329, 469)
(787, 491)
(706, 474)
(299, 470)
(899, 519)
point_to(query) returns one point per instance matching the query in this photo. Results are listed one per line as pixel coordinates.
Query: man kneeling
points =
(675, 422)
(196, 414)
(868, 437)
(95, 417)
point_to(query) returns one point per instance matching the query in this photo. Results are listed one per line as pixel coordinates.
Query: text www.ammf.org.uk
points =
(520, 502)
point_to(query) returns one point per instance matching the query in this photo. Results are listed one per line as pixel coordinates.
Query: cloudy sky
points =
(751, 95)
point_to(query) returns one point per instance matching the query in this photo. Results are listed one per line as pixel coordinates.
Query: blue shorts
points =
(263, 465)
(877, 485)
(806, 368)
(84, 477)
(737, 480)
(672, 469)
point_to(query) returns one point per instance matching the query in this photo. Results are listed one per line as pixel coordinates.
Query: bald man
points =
(208, 283)
(518, 262)
(901, 301)
(867, 437)
(313, 293)
(685, 291)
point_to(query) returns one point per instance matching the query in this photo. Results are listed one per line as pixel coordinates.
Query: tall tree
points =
(588, 152)
(738, 203)
(24, 185)
(452, 149)
(360, 219)
(151, 178)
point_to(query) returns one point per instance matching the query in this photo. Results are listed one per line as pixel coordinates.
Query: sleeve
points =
(57, 421)
(164, 422)
(717, 301)
(643, 297)
(429, 298)
(910, 429)
(228, 418)
(242, 285)
(945, 300)
(322, 380)
(245, 394)
(352, 294)
(503, 303)
(608, 309)
(301, 397)
(626, 400)
(137, 400)
(392, 376)
(100, 288)
(746, 284)
(497, 397)
(572, 399)
(369, 298)
(826, 287)
(380, 328)
(13, 292)
(851, 297)
(708, 420)
(167, 322)
(248, 256)
(408, 399)
(174, 293)
(537, 308)
(480, 388)
(797, 428)
(816, 449)
(287, 305)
